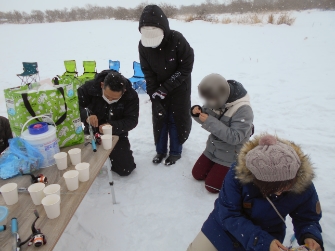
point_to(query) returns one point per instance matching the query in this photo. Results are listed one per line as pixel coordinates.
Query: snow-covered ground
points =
(288, 71)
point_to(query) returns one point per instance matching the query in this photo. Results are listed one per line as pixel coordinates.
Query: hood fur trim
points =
(305, 174)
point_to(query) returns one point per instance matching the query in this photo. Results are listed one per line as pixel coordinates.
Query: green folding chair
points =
(30, 73)
(70, 68)
(89, 71)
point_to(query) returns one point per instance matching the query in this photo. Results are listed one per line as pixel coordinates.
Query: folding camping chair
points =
(89, 71)
(114, 65)
(30, 73)
(70, 68)
(138, 80)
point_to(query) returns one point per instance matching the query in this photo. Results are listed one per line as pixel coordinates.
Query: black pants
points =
(122, 157)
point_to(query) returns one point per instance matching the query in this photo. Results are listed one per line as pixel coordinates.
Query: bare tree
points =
(37, 16)
(202, 11)
(170, 10)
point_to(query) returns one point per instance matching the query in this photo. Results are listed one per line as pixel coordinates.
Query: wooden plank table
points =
(23, 210)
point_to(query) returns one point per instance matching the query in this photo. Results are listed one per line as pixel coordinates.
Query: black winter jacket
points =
(170, 66)
(122, 115)
(5, 133)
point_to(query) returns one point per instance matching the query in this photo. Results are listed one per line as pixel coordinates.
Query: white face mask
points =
(108, 101)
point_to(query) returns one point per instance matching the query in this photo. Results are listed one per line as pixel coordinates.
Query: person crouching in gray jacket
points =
(228, 116)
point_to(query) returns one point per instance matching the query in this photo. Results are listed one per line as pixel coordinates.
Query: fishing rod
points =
(213, 188)
(37, 238)
(90, 129)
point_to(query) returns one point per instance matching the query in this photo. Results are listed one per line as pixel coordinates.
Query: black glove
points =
(195, 115)
(160, 93)
(158, 111)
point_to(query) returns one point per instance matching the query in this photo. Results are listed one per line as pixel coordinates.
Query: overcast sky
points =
(28, 5)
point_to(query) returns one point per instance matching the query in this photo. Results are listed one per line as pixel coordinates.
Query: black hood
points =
(237, 91)
(152, 15)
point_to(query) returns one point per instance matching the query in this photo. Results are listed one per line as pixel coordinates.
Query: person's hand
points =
(100, 127)
(158, 111)
(312, 244)
(160, 93)
(196, 110)
(203, 117)
(277, 246)
(93, 120)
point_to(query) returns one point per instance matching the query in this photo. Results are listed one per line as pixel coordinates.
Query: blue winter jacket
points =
(243, 219)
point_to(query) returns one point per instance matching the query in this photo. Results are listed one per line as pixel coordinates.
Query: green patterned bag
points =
(60, 104)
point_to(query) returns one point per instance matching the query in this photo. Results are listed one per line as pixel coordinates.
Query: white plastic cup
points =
(36, 193)
(10, 193)
(75, 156)
(61, 160)
(107, 129)
(84, 171)
(52, 189)
(71, 179)
(51, 204)
(107, 141)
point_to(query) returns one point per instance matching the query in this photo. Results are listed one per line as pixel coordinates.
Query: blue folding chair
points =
(140, 85)
(138, 79)
(114, 65)
(30, 73)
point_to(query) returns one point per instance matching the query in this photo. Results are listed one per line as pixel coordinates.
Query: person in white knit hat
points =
(167, 62)
(272, 179)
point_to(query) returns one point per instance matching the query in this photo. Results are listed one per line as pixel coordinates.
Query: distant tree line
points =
(91, 12)
(244, 6)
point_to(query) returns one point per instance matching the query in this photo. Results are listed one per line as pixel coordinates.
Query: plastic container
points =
(51, 205)
(43, 138)
(3, 215)
(10, 193)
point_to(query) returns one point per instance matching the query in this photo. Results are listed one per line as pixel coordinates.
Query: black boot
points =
(158, 158)
(172, 159)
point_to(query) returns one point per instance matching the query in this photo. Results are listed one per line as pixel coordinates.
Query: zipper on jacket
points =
(255, 241)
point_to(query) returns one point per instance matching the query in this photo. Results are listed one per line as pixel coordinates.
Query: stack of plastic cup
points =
(51, 205)
(10, 193)
(61, 160)
(52, 189)
(71, 180)
(107, 141)
(36, 192)
(107, 129)
(84, 171)
(75, 156)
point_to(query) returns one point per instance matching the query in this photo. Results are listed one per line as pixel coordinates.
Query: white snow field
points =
(289, 71)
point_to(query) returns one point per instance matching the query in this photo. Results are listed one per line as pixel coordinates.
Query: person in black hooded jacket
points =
(167, 62)
(111, 100)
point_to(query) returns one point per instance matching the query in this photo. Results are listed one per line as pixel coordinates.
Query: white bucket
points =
(46, 143)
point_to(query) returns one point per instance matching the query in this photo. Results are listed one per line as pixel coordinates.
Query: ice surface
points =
(288, 72)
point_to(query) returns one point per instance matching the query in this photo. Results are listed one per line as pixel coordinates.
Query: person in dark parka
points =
(111, 100)
(273, 178)
(167, 62)
(5, 133)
